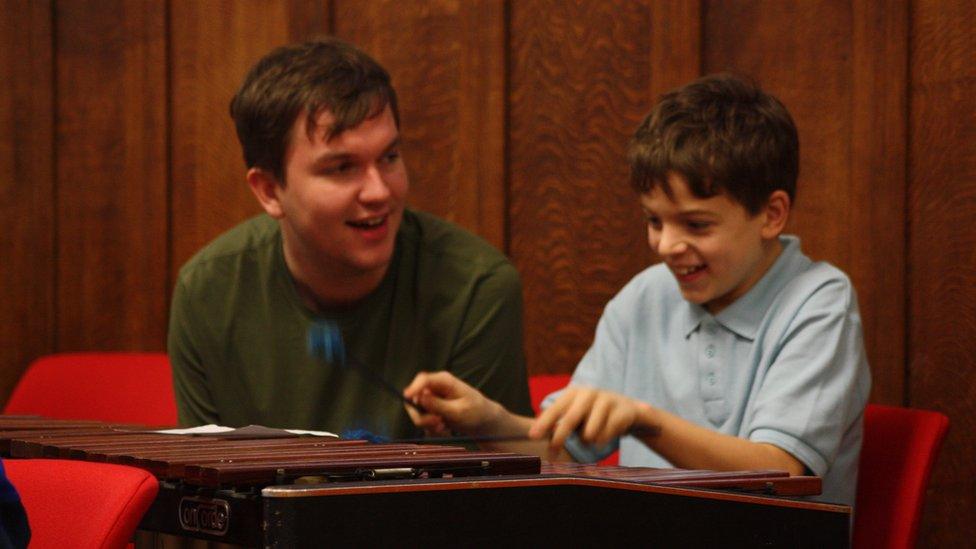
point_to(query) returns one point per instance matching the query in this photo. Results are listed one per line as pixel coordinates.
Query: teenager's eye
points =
(699, 225)
(654, 222)
(339, 169)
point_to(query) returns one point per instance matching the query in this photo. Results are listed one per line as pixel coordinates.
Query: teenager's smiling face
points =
(342, 199)
(714, 248)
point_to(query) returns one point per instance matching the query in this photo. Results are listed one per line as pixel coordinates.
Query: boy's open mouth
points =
(685, 271)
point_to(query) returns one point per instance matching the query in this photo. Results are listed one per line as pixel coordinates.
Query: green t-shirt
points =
(237, 332)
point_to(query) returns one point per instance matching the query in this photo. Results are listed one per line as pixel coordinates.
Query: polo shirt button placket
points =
(709, 351)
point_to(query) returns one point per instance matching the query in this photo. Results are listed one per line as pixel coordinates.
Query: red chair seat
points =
(81, 504)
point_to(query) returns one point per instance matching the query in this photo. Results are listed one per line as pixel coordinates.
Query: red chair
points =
(112, 387)
(542, 385)
(900, 446)
(79, 503)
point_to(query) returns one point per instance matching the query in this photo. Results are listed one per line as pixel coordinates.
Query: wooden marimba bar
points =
(215, 462)
(280, 491)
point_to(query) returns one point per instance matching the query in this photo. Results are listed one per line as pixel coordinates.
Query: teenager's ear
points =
(266, 187)
(777, 212)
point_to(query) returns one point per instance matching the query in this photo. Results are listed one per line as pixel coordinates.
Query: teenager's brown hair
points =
(310, 77)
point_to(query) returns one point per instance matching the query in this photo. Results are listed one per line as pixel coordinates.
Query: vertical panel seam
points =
(506, 127)
(701, 38)
(55, 321)
(169, 279)
(906, 205)
(330, 10)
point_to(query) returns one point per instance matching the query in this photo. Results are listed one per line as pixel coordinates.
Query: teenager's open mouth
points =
(368, 223)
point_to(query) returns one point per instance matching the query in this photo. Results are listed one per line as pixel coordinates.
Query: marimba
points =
(311, 491)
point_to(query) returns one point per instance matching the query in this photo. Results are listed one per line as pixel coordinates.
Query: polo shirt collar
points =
(745, 314)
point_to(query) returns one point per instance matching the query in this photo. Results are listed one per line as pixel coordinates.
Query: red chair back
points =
(543, 384)
(80, 503)
(900, 446)
(112, 387)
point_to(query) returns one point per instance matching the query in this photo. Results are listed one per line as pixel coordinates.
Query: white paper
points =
(212, 429)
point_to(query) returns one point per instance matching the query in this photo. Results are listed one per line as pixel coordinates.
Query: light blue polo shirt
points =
(783, 364)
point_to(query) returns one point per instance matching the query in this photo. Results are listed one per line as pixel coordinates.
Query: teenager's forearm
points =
(691, 446)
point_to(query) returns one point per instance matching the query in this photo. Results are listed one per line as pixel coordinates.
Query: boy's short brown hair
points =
(310, 77)
(721, 133)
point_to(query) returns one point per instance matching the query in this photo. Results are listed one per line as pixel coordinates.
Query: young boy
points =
(737, 351)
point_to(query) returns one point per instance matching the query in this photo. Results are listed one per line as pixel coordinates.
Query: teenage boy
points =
(319, 127)
(737, 351)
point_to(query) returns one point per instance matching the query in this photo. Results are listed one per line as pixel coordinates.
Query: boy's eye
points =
(391, 157)
(699, 225)
(654, 221)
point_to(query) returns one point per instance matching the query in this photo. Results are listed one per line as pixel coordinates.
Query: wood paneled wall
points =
(118, 160)
(941, 217)
(27, 241)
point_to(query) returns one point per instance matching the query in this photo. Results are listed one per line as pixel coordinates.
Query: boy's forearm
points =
(504, 423)
(691, 446)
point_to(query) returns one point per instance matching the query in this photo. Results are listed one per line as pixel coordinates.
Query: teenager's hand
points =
(597, 416)
(451, 404)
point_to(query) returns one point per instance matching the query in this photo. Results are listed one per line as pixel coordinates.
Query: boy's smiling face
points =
(714, 248)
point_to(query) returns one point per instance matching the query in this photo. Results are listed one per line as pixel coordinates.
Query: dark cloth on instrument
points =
(14, 529)
(237, 339)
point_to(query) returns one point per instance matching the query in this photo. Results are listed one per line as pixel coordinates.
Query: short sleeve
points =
(489, 354)
(817, 385)
(603, 364)
(193, 401)
(601, 367)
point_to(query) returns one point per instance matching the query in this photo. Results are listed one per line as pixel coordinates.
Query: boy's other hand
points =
(596, 415)
(451, 404)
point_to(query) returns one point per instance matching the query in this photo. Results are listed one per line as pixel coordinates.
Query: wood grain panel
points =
(213, 46)
(479, 158)
(448, 69)
(839, 68)
(876, 220)
(111, 174)
(580, 81)
(676, 48)
(942, 255)
(27, 185)
(800, 52)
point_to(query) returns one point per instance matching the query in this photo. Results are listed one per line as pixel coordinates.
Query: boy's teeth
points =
(369, 222)
(689, 270)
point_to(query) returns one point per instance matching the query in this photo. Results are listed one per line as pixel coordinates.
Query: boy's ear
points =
(777, 212)
(266, 187)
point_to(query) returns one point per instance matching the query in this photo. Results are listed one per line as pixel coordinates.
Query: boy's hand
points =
(451, 404)
(597, 416)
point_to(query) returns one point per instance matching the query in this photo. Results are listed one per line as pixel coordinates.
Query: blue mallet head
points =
(325, 342)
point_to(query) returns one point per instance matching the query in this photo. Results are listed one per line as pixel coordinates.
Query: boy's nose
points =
(670, 243)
